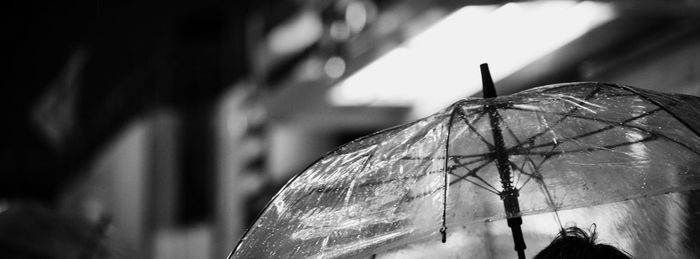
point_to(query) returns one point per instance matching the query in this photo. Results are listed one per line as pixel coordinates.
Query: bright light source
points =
(440, 65)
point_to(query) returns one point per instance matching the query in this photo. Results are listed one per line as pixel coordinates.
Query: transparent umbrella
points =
(453, 176)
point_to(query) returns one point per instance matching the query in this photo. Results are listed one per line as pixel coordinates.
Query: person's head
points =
(575, 243)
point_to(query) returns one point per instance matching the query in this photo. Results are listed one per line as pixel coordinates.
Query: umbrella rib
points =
(427, 193)
(512, 134)
(488, 186)
(519, 143)
(479, 185)
(421, 195)
(556, 123)
(611, 125)
(493, 190)
(550, 199)
(482, 155)
(657, 103)
(614, 124)
(555, 143)
(607, 147)
(530, 176)
(521, 171)
(471, 127)
(519, 175)
(536, 167)
(530, 139)
(369, 184)
(538, 177)
(450, 168)
(443, 229)
(472, 173)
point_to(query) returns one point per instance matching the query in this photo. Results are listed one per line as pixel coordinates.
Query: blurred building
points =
(164, 127)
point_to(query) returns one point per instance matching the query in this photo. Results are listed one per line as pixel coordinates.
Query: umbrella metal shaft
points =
(509, 195)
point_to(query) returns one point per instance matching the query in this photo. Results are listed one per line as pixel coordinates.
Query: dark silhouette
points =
(575, 243)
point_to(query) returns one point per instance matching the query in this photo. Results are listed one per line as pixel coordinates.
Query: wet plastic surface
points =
(568, 146)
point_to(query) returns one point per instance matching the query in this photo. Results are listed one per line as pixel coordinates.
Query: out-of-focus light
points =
(300, 32)
(339, 31)
(334, 67)
(440, 65)
(311, 69)
(356, 16)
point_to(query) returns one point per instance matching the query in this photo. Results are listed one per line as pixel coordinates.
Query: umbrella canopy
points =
(544, 150)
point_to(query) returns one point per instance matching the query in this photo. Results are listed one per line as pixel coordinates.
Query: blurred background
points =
(160, 129)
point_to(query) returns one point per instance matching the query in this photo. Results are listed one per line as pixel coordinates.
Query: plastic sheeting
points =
(568, 146)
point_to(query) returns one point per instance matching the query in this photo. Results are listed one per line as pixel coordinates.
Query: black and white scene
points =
(393, 129)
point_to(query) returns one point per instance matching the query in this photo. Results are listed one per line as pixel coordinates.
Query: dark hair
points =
(575, 243)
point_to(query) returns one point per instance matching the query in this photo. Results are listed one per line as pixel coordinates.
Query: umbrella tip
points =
(489, 89)
(443, 232)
